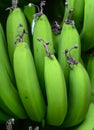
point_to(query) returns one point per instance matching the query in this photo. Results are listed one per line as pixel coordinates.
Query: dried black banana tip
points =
(56, 28)
(70, 60)
(9, 124)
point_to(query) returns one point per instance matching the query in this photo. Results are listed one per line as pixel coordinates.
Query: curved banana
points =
(90, 70)
(42, 30)
(4, 58)
(9, 97)
(15, 19)
(79, 95)
(69, 38)
(55, 91)
(87, 38)
(27, 82)
(88, 123)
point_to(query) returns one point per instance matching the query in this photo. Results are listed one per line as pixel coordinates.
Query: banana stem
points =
(9, 124)
(68, 19)
(14, 3)
(56, 28)
(45, 44)
(70, 60)
(36, 128)
(39, 8)
(30, 128)
(20, 36)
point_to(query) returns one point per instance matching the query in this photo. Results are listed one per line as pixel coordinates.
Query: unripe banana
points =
(55, 86)
(3, 116)
(15, 19)
(87, 38)
(69, 4)
(88, 123)
(90, 70)
(56, 30)
(9, 98)
(29, 12)
(79, 95)
(69, 38)
(42, 30)
(78, 14)
(4, 58)
(27, 82)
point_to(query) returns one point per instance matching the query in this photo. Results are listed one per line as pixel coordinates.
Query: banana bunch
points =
(45, 75)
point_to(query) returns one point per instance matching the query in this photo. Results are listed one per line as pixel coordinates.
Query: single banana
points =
(68, 38)
(78, 14)
(41, 32)
(90, 70)
(79, 95)
(4, 58)
(10, 101)
(87, 38)
(15, 19)
(27, 82)
(55, 86)
(29, 12)
(88, 123)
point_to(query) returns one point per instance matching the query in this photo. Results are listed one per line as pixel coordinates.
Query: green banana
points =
(9, 98)
(90, 70)
(79, 95)
(3, 116)
(68, 38)
(56, 30)
(88, 123)
(27, 82)
(69, 4)
(42, 30)
(15, 19)
(55, 86)
(29, 12)
(78, 14)
(4, 58)
(87, 38)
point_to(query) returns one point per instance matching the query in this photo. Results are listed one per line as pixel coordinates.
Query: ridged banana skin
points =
(10, 101)
(79, 96)
(68, 39)
(88, 123)
(4, 58)
(15, 17)
(55, 91)
(27, 82)
(90, 70)
(42, 29)
(87, 38)
(78, 14)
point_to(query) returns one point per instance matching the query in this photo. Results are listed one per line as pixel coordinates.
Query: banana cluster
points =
(47, 72)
